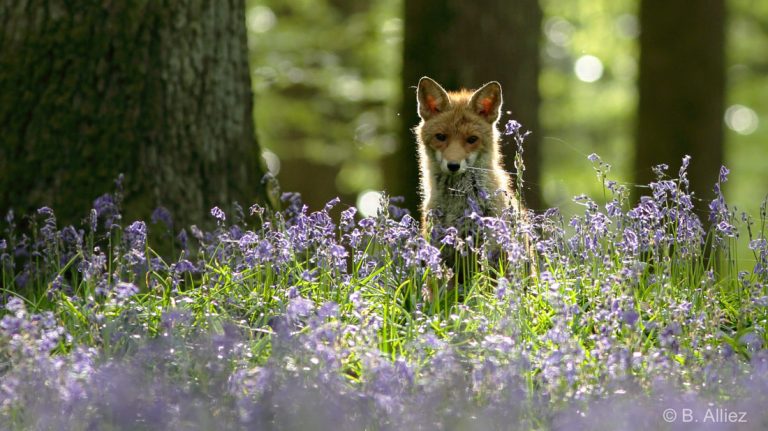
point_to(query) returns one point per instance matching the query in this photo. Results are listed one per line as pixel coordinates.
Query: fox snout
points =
(453, 167)
(455, 163)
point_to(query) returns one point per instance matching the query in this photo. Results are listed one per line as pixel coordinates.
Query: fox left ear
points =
(487, 101)
(432, 98)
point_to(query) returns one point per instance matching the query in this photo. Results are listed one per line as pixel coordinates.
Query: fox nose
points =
(453, 167)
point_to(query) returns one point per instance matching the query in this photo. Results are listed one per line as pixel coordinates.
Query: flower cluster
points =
(323, 319)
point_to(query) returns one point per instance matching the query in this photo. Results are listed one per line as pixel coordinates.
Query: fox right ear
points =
(432, 98)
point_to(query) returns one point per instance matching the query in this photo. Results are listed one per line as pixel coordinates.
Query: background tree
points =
(156, 90)
(466, 44)
(681, 89)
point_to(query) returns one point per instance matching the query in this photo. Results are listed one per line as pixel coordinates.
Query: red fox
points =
(459, 154)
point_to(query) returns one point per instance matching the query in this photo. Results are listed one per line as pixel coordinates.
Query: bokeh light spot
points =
(741, 119)
(260, 19)
(272, 161)
(369, 202)
(588, 68)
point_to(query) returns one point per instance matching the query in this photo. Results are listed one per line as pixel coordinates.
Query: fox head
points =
(458, 128)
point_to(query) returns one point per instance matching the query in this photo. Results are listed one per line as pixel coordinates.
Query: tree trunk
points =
(466, 44)
(681, 85)
(159, 91)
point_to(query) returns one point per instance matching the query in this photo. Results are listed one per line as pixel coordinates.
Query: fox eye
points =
(472, 139)
(441, 137)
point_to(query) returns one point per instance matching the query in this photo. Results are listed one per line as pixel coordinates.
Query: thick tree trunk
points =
(159, 91)
(681, 85)
(466, 44)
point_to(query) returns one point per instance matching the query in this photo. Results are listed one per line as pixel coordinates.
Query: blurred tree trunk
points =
(681, 86)
(465, 44)
(159, 91)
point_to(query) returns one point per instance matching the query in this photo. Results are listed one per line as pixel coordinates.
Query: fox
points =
(460, 156)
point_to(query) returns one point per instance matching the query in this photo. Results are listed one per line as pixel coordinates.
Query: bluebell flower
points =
(218, 214)
(298, 307)
(125, 290)
(161, 214)
(512, 127)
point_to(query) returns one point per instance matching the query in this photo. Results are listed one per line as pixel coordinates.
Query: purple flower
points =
(328, 310)
(125, 290)
(16, 306)
(72, 237)
(512, 127)
(256, 209)
(309, 276)
(759, 244)
(184, 265)
(629, 317)
(218, 214)
(182, 238)
(660, 170)
(161, 214)
(49, 227)
(331, 203)
(298, 307)
(263, 251)
(248, 239)
(726, 228)
(105, 205)
(684, 165)
(93, 220)
(613, 208)
(347, 219)
(630, 242)
(136, 234)
(397, 212)
(723, 177)
(338, 253)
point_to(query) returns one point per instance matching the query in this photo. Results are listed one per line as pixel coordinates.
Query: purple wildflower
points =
(512, 127)
(256, 209)
(726, 229)
(723, 177)
(184, 265)
(182, 238)
(630, 242)
(136, 234)
(338, 254)
(263, 251)
(347, 220)
(125, 290)
(331, 203)
(161, 214)
(247, 240)
(328, 310)
(298, 307)
(218, 214)
(629, 317)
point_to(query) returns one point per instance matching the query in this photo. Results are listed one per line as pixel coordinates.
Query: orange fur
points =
(458, 131)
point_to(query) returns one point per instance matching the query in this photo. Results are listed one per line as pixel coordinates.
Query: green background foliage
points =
(325, 75)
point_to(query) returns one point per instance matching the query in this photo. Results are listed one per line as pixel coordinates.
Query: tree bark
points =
(159, 91)
(681, 90)
(466, 44)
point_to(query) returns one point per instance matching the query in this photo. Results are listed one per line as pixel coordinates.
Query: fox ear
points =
(431, 97)
(487, 101)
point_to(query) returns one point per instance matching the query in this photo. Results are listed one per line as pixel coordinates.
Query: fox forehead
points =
(457, 121)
